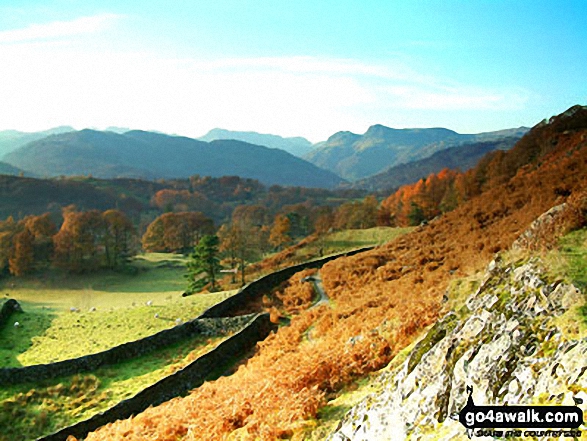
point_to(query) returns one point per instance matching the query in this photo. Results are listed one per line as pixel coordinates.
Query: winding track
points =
(316, 281)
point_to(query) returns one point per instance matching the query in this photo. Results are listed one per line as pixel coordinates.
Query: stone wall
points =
(206, 367)
(257, 288)
(8, 308)
(126, 351)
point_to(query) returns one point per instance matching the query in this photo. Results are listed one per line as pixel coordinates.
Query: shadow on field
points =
(17, 339)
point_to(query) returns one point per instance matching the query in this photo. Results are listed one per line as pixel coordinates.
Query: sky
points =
(291, 68)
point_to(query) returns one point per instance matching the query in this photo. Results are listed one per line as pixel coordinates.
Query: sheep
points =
(178, 321)
(73, 309)
(16, 324)
(93, 309)
(156, 316)
(149, 303)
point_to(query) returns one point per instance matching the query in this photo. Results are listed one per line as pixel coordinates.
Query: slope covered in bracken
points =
(380, 300)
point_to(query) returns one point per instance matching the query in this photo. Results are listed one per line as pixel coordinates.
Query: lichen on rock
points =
(503, 342)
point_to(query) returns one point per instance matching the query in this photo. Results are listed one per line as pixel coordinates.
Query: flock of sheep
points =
(178, 321)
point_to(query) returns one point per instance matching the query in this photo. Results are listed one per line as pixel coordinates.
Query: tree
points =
(78, 240)
(240, 242)
(279, 235)
(176, 232)
(90, 240)
(416, 215)
(22, 260)
(324, 221)
(251, 215)
(203, 265)
(117, 238)
(8, 229)
(42, 228)
(357, 215)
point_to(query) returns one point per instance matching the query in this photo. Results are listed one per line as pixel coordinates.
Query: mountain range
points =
(7, 169)
(149, 155)
(297, 146)
(382, 158)
(12, 139)
(353, 157)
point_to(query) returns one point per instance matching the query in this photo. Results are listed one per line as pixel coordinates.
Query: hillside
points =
(462, 157)
(381, 300)
(7, 169)
(297, 146)
(354, 157)
(25, 196)
(148, 155)
(10, 140)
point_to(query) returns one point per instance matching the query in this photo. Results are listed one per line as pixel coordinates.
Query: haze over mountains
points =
(10, 140)
(150, 155)
(297, 146)
(381, 158)
(354, 157)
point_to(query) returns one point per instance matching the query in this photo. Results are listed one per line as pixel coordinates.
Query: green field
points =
(347, 240)
(111, 308)
(28, 411)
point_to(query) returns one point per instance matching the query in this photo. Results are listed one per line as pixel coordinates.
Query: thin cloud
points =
(303, 95)
(59, 29)
(387, 85)
(459, 97)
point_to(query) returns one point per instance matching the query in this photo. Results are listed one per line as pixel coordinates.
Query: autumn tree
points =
(300, 219)
(169, 200)
(42, 228)
(22, 258)
(76, 243)
(119, 232)
(8, 230)
(228, 237)
(251, 215)
(203, 265)
(176, 232)
(91, 240)
(279, 235)
(324, 221)
(357, 215)
(240, 243)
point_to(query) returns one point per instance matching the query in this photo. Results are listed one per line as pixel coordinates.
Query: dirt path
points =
(316, 281)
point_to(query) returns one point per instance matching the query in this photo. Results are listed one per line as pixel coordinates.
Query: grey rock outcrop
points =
(504, 342)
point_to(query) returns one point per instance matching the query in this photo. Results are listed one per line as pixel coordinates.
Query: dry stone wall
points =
(126, 351)
(206, 367)
(9, 307)
(265, 284)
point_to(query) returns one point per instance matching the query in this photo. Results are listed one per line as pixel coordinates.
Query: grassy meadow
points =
(28, 410)
(340, 241)
(110, 309)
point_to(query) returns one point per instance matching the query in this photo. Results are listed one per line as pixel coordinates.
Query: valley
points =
(520, 207)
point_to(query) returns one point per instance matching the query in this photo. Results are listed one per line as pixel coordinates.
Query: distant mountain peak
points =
(354, 157)
(297, 146)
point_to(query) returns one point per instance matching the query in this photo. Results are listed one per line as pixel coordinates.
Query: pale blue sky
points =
(307, 68)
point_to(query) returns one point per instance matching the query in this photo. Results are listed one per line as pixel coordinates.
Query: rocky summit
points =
(508, 341)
